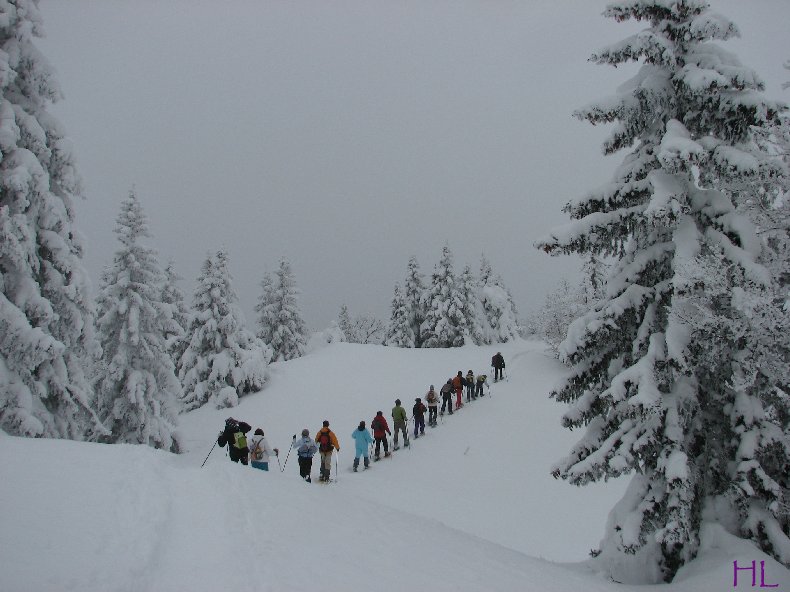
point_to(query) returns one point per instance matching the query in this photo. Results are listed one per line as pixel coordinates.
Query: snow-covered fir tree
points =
(173, 298)
(399, 331)
(223, 360)
(136, 386)
(443, 304)
(501, 317)
(671, 400)
(344, 324)
(280, 322)
(471, 308)
(265, 309)
(413, 297)
(46, 313)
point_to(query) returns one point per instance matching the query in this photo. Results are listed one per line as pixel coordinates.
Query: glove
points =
(276, 452)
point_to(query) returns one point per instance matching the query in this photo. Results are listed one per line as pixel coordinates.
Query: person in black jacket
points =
(418, 413)
(233, 436)
(498, 363)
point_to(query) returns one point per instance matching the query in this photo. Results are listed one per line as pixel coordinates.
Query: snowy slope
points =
(470, 507)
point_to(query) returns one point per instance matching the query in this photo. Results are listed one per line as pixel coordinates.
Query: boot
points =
(367, 462)
(386, 454)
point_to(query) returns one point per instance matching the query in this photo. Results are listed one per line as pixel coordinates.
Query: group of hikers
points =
(256, 450)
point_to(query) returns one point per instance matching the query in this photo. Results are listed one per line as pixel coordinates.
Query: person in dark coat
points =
(447, 396)
(237, 450)
(418, 413)
(498, 363)
(380, 431)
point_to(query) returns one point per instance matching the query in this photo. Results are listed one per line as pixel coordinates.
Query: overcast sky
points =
(347, 136)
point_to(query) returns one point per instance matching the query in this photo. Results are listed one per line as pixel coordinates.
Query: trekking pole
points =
(209, 453)
(282, 468)
(337, 471)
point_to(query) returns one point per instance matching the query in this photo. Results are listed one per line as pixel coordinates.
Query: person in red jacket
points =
(458, 385)
(380, 431)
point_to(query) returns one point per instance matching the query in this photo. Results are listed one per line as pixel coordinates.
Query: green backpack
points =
(240, 440)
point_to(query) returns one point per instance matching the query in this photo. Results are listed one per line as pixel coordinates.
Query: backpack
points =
(240, 440)
(324, 441)
(376, 424)
(431, 396)
(458, 382)
(257, 453)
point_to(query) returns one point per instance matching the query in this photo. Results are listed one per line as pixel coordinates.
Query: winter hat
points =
(431, 387)
(326, 423)
(259, 432)
(305, 432)
(361, 425)
(417, 400)
(379, 413)
(397, 401)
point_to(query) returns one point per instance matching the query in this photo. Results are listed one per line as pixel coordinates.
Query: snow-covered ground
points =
(471, 506)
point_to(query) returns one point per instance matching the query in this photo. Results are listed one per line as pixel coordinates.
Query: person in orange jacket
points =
(458, 385)
(327, 443)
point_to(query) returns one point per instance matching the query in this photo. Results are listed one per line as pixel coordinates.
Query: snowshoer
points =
(481, 381)
(260, 451)
(447, 393)
(327, 443)
(305, 450)
(418, 413)
(380, 431)
(433, 406)
(399, 423)
(470, 386)
(498, 363)
(363, 441)
(458, 386)
(233, 436)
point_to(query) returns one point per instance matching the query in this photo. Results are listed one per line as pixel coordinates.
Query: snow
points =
(471, 506)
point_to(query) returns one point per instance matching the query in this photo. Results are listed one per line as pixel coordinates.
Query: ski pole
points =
(337, 471)
(209, 454)
(282, 468)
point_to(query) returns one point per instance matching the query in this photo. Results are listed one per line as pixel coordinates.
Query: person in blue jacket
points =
(363, 441)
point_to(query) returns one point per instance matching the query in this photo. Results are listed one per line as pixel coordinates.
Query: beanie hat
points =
(259, 432)
(326, 423)
(305, 432)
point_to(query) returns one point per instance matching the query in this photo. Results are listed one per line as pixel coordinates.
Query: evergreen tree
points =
(46, 314)
(644, 383)
(345, 325)
(223, 360)
(280, 320)
(136, 385)
(176, 329)
(266, 310)
(413, 297)
(399, 331)
(471, 308)
(500, 318)
(443, 302)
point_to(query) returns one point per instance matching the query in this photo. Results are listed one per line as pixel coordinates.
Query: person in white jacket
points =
(260, 451)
